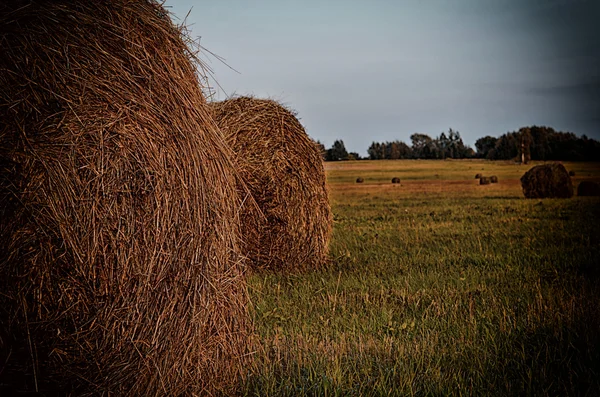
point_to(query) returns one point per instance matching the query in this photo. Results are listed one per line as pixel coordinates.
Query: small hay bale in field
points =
(547, 181)
(484, 180)
(290, 226)
(119, 263)
(571, 173)
(359, 180)
(588, 188)
(396, 180)
(478, 176)
(493, 179)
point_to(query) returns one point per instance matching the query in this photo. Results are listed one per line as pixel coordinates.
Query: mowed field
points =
(438, 286)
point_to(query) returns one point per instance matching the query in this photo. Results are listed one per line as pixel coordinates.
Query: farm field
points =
(438, 286)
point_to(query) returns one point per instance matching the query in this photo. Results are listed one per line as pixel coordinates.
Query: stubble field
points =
(438, 286)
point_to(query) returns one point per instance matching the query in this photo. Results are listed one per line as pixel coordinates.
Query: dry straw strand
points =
(119, 260)
(290, 227)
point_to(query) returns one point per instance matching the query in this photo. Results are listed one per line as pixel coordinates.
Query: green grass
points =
(459, 290)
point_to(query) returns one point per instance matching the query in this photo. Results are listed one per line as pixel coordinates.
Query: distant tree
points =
(337, 151)
(322, 149)
(423, 146)
(485, 145)
(376, 151)
(526, 141)
(456, 147)
(354, 156)
(507, 147)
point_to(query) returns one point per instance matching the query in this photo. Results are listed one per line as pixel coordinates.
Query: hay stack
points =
(493, 179)
(478, 176)
(571, 173)
(396, 180)
(359, 180)
(119, 263)
(283, 169)
(547, 180)
(588, 188)
(484, 180)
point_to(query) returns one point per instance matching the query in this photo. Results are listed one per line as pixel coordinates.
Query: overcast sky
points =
(377, 70)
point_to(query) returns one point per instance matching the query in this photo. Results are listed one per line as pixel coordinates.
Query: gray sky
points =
(377, 70)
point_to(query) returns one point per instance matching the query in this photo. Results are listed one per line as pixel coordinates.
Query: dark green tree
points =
(337, 152)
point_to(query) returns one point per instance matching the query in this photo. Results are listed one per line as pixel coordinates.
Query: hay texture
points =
(359, 180)
(588, 188)
(395, 180)
(290, 226)
(484, 180)
(547, 181)
(493, 179)
(119, 263)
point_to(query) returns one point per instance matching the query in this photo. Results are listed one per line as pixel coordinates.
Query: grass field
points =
(438, 286)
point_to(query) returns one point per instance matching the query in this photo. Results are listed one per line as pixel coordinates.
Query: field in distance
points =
(438, 285)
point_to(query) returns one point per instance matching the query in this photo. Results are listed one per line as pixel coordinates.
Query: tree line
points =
(528, 143)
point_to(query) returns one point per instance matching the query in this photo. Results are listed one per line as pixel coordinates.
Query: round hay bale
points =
(359, 180)
(478, 176)
(571, 173)
(547, 181)
(119, 263)
(290, 226)
(588, 188)
(395, 180)
(484, 180)
(493, 179)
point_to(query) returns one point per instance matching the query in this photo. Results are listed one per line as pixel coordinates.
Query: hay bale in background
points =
(546, 181)
(478, 176)
(484, 180)
(359, 180)
(588, 188)
(493, 179)
(396, 180)
(119, 263)
(571, 173)
(283, 169)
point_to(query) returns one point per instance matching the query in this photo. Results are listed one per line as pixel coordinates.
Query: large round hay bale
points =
(359, 180)
(484, 180)
(395, 180)
(290, 226)
(119, 263)
(546, 181)
(588, 188)
(493, 179)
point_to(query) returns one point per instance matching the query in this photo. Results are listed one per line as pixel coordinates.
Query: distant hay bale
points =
(493, 179)
(359, 180)
(396, 180)
(283, 169)
(547, 181)
(478, 176)
(119, 263)
(571, 173)
(588, 188)
(484, 180)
